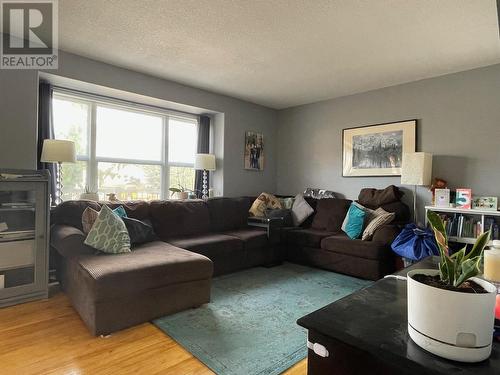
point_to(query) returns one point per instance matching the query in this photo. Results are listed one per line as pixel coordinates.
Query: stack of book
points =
(460, 225)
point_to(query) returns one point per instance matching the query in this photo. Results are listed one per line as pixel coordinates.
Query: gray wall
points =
(18, 118)
(459, 122)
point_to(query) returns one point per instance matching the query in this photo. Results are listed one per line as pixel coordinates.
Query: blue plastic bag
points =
(415, 243)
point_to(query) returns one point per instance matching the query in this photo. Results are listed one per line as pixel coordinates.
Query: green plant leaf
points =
(469, 268)
(479, 246)
(439, 231)
(175, 190)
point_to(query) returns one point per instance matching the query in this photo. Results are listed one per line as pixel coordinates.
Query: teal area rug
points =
(250, 327)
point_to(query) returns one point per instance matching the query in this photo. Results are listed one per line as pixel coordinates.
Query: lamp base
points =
(204, 191)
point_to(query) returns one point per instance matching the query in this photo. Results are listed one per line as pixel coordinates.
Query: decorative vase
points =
(89, 196)
(450, 324)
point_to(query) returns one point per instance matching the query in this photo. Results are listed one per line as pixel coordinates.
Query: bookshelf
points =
(457, 233)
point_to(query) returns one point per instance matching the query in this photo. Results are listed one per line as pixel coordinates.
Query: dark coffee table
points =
(366, 333)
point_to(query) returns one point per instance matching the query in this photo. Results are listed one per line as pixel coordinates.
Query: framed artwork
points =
(485, 203)
(377, 150)
(442, 197)
(463, 198)
(254, 151)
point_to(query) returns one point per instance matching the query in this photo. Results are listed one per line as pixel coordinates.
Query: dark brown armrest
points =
(386, 234)
(68, 241)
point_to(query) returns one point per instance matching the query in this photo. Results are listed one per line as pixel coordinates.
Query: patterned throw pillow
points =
(90, 215)
(286, 203)
(355, 219)
(319, 193)
(369, 215)
(109, 233)
(263, 202)
(381, 217)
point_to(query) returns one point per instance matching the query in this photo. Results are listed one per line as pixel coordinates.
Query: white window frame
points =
(92, 160)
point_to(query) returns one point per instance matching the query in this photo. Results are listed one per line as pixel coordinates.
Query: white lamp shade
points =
(416, 169)
(58, 151)
(204, 161)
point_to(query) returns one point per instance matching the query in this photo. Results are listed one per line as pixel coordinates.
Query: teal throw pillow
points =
(120, 211)
(109, 233)
(355, 220)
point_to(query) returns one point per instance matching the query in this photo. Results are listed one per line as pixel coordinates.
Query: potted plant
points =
(181, 192)
(450, 311)
(89, 194)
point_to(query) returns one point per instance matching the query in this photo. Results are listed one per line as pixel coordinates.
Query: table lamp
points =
(416, 170)
(204, 162)
(58, 151)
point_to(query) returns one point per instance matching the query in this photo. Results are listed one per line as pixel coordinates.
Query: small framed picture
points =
(464, 198)
(442, 197)
(485, 203)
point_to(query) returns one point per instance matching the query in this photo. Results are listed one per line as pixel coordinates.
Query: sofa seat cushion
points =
(252, 238)
(211, 245)
(306, 237)
(151, 265)
(341, 243)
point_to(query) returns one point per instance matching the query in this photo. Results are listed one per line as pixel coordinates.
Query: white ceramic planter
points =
(182, 195)
(452, 325)
(89, 196)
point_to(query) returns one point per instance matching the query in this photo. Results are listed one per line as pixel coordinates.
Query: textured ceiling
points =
(282, 53)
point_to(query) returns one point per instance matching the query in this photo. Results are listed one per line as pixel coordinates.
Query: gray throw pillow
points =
(301, 210)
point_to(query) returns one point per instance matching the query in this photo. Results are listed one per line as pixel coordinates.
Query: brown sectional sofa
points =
(112, 292)
(198, 240)
(320, 241)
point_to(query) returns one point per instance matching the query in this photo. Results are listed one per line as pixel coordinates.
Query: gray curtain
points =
(202, 148)
(46, 130)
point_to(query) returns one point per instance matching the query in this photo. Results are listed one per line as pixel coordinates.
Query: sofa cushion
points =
(374, 198)
(228, 213)
(152, 265)
(70, 212)
(330, 214)
(306, 237)
(252, 238)
(402, 211)
(208, 244)
(173, 219)
(341, 243)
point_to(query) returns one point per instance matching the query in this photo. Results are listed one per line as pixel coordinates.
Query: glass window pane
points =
(181, 141)
(128, 135)
(129, 181)
(181, 177)
(71, 122)
(74, 179)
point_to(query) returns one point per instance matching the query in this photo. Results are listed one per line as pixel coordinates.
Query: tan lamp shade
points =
(58, 151)
(416, 169)
(204, 162)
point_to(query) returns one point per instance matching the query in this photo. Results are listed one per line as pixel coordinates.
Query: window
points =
(128, 150)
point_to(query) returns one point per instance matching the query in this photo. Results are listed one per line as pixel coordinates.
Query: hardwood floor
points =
(48, 337)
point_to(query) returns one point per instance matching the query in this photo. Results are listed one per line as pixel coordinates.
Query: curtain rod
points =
(105, 98)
